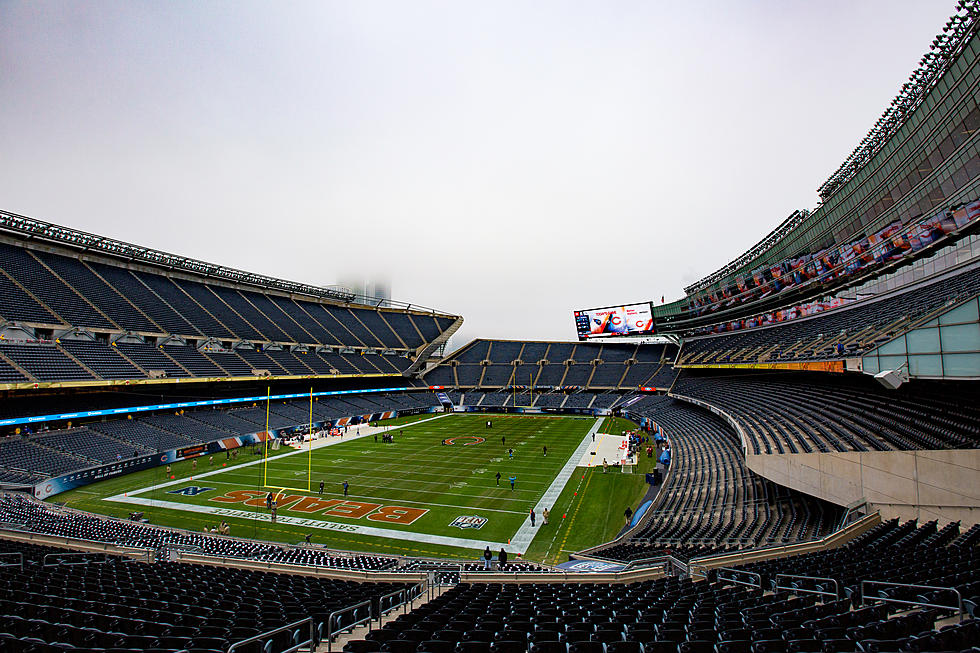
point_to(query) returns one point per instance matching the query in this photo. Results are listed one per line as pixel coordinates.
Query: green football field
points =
(413, 496)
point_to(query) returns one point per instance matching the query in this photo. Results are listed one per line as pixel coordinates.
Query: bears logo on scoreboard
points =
(469, 521)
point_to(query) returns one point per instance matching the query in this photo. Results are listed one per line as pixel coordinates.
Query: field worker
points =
(321, 488)
(211, 461)
(168, 470)
(503, 440)
(544, 516)
(498, 479)
(194, 464)
(545, 450)
(346, 485)
(605, 465)
(512, 479)
(268, 501)
(532, 517)
(487, 557)
(511, 453)
(628, 514)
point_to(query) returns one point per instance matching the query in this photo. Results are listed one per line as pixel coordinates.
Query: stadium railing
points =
(700, 566)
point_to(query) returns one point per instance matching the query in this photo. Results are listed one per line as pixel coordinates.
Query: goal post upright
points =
(265, 443)
(309, 466)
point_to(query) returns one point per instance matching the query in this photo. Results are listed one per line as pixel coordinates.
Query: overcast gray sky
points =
(506, 161)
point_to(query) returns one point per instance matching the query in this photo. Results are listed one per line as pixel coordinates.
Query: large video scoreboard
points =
(628, 320)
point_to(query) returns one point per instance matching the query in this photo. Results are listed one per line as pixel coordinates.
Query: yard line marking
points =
(282, 455)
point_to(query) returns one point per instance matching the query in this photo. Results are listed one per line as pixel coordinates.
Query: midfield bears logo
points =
(469, 521)
(190, 490)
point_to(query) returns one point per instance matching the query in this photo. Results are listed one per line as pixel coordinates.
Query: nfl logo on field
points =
(469, 521)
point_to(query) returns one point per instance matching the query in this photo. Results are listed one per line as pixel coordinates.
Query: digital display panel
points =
(628, 320)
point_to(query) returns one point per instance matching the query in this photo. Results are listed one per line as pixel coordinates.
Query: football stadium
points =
(199, 458)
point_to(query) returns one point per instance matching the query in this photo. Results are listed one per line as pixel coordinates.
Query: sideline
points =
(525, 534)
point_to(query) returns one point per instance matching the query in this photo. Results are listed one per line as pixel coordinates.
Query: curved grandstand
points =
(798, 448)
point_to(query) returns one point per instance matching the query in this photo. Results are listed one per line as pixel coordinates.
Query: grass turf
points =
(416, 471)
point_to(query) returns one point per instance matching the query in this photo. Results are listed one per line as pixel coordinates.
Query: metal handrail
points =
(797, 590)
(382, 611)
(331, 633)
(276, 631)
(84, 559)
(888, 599)
(20, 559)
(734, 578)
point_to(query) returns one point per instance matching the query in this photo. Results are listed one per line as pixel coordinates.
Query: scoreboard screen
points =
(628, 320)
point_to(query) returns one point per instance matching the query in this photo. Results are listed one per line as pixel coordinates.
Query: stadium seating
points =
(56, 452)
(502, 363)
(104, 361)
(710, 502)
(48, 288)
(34, 458)
(44, 361)
(93, 445)
(50, 291)
(799, 413)
(92, 602)
(843, 332)
(679, 615)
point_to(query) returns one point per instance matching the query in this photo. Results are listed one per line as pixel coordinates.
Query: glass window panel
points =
(965, 313)
(925, 365)
(870, 364)
(961, 364)
(891, 362)
(896, 346)
(923, 341)
(962, 337)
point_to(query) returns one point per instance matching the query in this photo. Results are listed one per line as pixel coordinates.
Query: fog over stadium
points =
(508, 162)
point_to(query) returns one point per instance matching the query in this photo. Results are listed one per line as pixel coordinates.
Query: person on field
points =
(605, 465)
(544, 516)
(194, 465)
(532, 517)
(498, 479)
(346, 485)
(512, 479)
(273, 511)
(321, 488)
(268, 501)
(545, 447)
(487, 557)
(628, 514)
(511, 453)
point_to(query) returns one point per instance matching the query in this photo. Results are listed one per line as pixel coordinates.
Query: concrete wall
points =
(923, 485)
